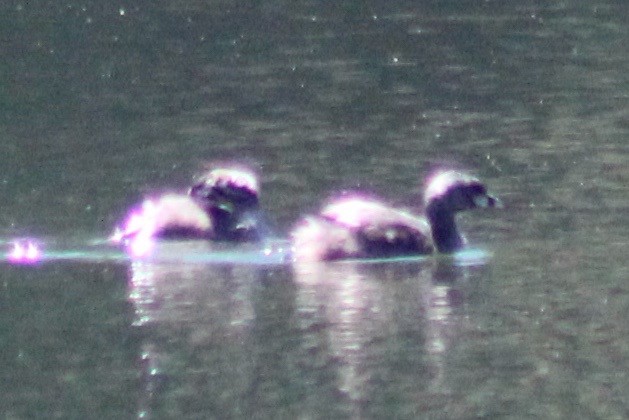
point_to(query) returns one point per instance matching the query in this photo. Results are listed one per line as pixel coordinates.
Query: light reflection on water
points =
(206, 308)
(34, 251)
(270, 252)
(339, 95)
(342, 320)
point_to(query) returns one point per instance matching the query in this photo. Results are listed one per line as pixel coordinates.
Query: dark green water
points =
(101, 103)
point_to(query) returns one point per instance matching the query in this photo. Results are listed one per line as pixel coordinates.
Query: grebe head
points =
(230, 195)
(446, 194)
(455, 191)
(227, 188)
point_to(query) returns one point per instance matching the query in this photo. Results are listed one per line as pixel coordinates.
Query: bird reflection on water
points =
(382, 322)
(202, 311)
(349, 332)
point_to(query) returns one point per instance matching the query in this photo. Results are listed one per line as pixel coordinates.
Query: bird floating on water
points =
(221, 205)
(359, 227)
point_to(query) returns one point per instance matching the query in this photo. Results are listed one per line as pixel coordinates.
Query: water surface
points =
(101, 104)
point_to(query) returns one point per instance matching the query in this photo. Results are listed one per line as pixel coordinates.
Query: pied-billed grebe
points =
(230, 197)
(221, 205)
(358, 227)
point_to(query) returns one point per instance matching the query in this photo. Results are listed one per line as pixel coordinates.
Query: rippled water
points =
(102, 103)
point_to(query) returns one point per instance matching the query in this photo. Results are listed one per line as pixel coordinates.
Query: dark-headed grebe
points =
(358, 227)
(221, 205)
(230, 197)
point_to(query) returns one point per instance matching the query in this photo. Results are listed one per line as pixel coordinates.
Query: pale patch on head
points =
(481, 201)
(239, 178)
(439, 184)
